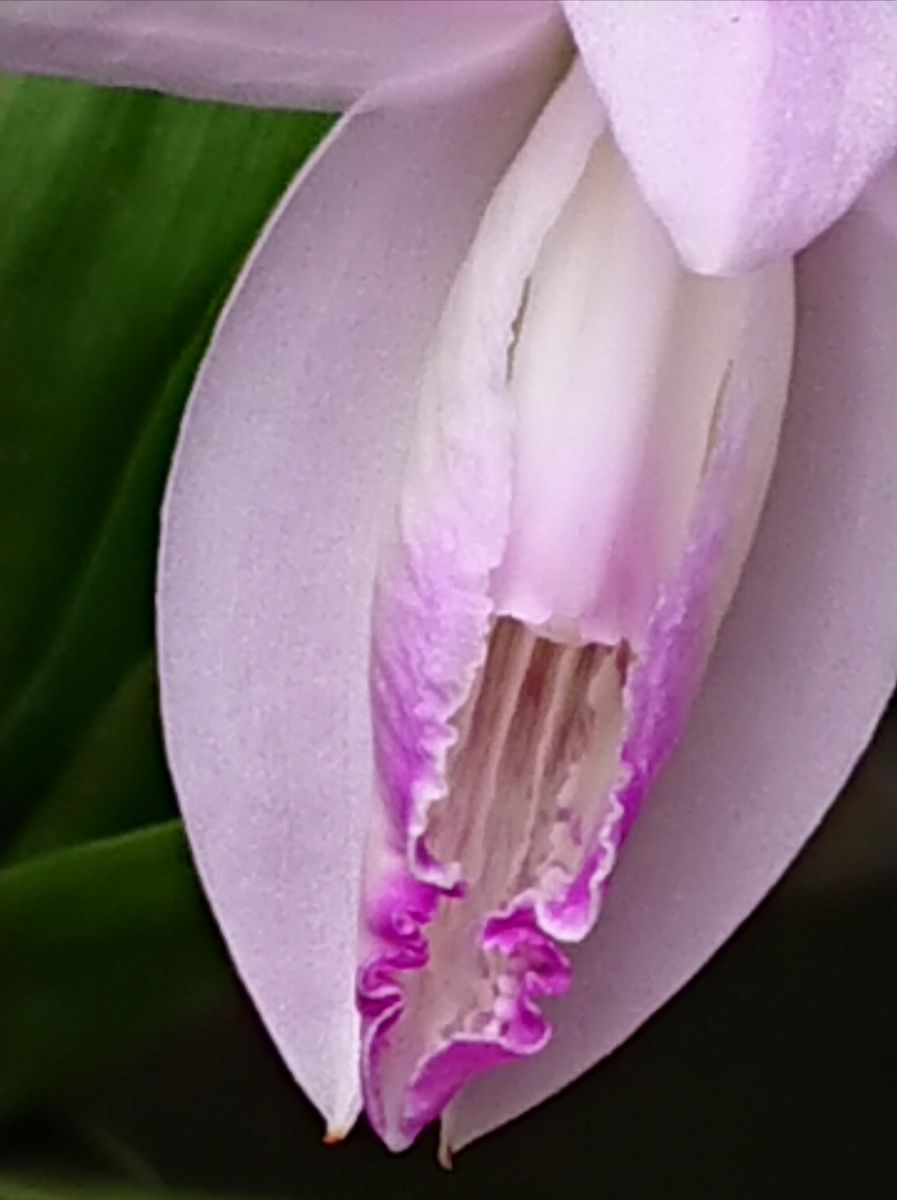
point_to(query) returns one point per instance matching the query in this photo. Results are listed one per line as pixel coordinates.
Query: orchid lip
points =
(568, 417)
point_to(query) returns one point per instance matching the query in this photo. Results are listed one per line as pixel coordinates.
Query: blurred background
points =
(131, 1063)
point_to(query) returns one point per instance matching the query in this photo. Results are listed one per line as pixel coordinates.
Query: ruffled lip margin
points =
(534, 969)
(525, 937)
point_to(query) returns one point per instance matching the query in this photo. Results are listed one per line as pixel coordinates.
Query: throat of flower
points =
(537, 744)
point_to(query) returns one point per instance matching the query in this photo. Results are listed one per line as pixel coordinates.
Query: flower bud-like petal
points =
(583, 396)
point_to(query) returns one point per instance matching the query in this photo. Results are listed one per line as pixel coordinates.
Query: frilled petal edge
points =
(288, 460)
(751, 125)
(803, 669)
(321, 54)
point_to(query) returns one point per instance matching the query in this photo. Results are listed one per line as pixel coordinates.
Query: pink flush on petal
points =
(570, 409)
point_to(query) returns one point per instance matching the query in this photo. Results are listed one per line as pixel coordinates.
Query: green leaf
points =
(116, 773)
(12, 1189)
(123, 220)
(102, 946)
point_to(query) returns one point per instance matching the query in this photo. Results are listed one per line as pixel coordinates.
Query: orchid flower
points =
(461, 538)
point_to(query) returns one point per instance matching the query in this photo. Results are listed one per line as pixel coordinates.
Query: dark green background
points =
(128, 1052)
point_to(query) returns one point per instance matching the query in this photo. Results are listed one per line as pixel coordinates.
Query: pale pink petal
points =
(289, 458)
(279, 53)
(751, 125)
(805, 663)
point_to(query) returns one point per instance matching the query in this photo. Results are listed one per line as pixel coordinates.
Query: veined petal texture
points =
(590, 437)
